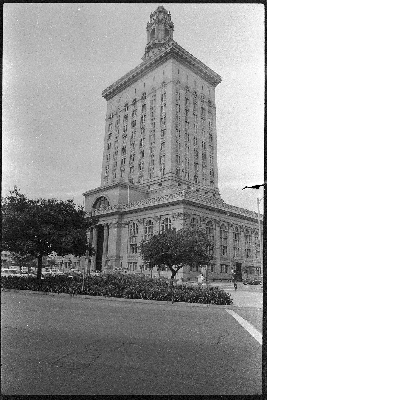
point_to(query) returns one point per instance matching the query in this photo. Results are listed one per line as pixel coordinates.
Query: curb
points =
(159, 302)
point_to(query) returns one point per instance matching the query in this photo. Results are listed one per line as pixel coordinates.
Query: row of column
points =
(114, 242)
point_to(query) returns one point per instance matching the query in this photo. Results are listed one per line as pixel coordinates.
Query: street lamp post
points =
(259, 219)
(259, 231)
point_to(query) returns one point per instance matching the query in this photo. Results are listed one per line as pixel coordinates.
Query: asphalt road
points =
(74, 346)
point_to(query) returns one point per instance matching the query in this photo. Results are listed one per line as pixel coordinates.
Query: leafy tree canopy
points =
(188, 246)
(40, 226)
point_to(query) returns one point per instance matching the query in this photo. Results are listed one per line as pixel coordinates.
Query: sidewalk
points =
(244, 296)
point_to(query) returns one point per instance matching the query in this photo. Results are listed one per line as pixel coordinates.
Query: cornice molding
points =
(182, 195)
(171, 50)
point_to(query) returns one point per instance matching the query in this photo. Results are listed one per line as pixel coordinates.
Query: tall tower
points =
(159, 166)
(160, 31)
(160, 133)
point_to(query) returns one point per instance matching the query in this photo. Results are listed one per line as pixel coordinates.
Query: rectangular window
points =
(133, 247)
(132, 266)
(224, 268)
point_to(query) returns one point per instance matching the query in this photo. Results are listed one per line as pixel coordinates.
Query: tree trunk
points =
(173, 273)
(39, 268)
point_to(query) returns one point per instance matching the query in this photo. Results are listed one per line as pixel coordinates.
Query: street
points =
(61, 345)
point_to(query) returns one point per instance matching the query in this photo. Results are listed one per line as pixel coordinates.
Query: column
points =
(105, 245)
(230, 246)
(94, 245)
(114, 244)
(217, 254)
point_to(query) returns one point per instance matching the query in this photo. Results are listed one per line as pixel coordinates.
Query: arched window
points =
(133, 237)
(148, 229)
(165, 225)
(224, 240)
(101, 203)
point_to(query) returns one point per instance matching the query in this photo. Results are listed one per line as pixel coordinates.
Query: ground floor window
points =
(132, 266)
(224, 268)
(212, 268)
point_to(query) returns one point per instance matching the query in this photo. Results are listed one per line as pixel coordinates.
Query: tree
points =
(41, 226)
(175, 249)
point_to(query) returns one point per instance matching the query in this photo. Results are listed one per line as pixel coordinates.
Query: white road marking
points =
(246, 325)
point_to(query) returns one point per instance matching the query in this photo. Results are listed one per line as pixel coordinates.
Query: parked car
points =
(251, 281)
(9, 272)
(75, 272)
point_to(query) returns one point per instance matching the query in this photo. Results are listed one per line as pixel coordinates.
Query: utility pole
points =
(259, 220)
(259, 232)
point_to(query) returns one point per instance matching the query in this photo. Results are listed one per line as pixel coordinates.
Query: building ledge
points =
(172, 49)
(182, 195)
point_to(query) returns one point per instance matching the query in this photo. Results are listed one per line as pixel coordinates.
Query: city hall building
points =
(159, 168)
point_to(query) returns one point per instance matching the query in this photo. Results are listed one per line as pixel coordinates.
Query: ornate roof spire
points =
(160, 31)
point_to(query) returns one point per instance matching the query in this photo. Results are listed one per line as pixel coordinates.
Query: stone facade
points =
(159, 166)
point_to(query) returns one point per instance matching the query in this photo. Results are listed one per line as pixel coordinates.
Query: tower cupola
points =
(160, 31)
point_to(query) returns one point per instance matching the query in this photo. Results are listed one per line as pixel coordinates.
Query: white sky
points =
(57, 59)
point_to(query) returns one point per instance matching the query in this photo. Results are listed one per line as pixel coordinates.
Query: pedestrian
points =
(200, 279)
(234, 279)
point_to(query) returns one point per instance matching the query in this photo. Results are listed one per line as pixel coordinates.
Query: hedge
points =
(122, 286)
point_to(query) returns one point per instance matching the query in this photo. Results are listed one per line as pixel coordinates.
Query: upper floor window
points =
(126, 107)
(148, 229)
(210, 234)
(133, 233)
(133, 229)
(166, 224)
(194, 222)
(224, 240)
(236, 237)
(247, 244)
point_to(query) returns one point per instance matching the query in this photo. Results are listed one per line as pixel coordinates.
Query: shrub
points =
(125, 286)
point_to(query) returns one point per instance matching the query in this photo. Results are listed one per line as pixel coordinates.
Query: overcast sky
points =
(57, 59)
